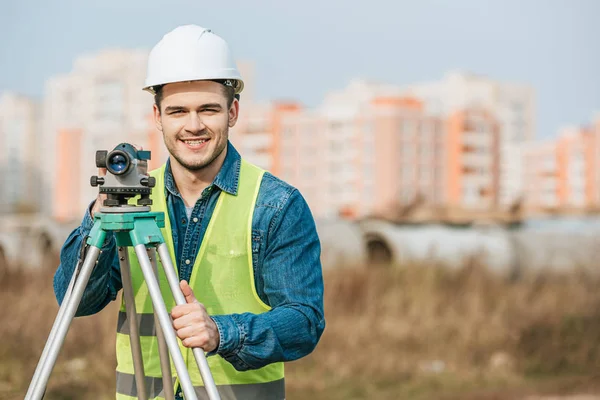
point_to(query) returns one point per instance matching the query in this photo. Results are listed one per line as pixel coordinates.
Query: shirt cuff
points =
(87, 223)
(230, 336)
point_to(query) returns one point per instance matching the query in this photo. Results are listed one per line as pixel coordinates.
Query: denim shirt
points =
(285, 256)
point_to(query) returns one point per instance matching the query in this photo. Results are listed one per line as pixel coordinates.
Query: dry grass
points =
(412, 332)
(86, 362)
(421, 332)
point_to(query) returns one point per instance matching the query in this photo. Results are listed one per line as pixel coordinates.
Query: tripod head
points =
(127, 176)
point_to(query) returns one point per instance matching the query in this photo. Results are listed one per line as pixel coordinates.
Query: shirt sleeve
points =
(293, 285)
(105, 280)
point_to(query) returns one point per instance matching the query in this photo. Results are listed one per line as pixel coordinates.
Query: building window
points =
(407, 128)
(368, 170)
(407, 173)
(369, 128)
(425, 174)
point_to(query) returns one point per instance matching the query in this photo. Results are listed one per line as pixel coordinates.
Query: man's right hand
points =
(101, 197)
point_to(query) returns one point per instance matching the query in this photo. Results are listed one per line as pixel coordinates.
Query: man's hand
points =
(101, 197)
(193, 325)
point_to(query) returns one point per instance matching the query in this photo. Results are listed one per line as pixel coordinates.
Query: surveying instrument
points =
(134, 226)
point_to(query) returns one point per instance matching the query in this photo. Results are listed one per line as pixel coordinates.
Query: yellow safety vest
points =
(222, 279)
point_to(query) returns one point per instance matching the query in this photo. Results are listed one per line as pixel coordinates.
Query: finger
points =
(191, 331)
(197, 317)
(183, 309)
(200, 341)
(187, 292)
(186, 332)
(101, 171)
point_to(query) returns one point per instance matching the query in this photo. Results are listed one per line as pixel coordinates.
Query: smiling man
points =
(244, 242)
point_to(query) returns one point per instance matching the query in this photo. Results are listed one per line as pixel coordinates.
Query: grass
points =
(417, 332)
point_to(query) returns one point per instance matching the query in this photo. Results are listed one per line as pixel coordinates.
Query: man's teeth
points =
(195, 141)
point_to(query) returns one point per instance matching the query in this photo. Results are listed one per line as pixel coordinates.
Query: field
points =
(415, 332)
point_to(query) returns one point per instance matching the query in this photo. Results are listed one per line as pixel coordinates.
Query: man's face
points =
(195, 122)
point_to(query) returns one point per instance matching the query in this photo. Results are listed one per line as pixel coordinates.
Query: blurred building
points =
(253, 133)
(21, 163)
(511, 104)
(594, 130)
(474, 154)
(562, 174)
(372, 149)
(464, 142)
(541, 176)
(96, 106)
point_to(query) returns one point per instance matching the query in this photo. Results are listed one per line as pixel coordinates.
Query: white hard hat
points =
(191, 53)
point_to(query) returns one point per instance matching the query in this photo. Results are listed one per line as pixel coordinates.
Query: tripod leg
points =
(47, 364)
(163, 350)
(165, 322)
(134, 334)
(209, 383)
(52, 335)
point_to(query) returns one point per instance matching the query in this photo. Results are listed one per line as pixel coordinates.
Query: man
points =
(244, 242)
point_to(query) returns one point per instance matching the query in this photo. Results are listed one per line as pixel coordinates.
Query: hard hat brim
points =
(239, 84)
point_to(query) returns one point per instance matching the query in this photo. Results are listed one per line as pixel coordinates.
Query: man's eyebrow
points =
(174, 108)
(210, 105)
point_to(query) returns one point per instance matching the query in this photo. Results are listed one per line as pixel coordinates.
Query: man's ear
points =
(234, 111)
(157, 117)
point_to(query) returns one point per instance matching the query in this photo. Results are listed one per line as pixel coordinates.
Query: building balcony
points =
(476, 159)
(477, 139)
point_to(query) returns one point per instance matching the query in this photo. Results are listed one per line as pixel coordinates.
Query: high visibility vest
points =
(222, 279)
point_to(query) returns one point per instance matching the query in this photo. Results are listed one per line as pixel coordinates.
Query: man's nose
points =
(194, 123)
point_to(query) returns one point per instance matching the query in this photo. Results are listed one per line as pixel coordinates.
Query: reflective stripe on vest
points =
(222, 279)
(154, 389)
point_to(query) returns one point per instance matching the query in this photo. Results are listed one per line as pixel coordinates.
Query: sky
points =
(303, 49)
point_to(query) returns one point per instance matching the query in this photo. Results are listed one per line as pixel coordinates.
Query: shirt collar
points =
(227, 178)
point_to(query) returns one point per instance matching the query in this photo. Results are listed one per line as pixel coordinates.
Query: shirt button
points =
(187, 262)
(195, 219)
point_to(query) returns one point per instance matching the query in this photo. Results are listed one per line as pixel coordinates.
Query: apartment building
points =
(541, 176)
(371, 149)
(21, 163)
(510, 104)
(473, 152)
(253, 133)
(562, 173)
(94, 107)
(366, 150)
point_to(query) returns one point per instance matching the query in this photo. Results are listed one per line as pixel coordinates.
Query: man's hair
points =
(229, 92)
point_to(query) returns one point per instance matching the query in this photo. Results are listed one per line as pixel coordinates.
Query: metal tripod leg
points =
(46, 364)
(134, 334)
(52, 335)
(165, 322)
(209, 383)
(163, 350)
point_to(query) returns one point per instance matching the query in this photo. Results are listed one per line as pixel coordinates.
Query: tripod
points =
(137, 227)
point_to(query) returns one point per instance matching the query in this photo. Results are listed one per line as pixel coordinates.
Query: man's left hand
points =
(193, 325)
